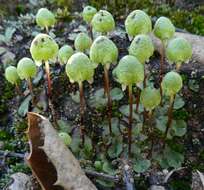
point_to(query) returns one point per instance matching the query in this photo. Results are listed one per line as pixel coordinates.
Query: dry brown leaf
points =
(51, 161)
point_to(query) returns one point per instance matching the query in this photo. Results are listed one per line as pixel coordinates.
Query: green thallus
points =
(45, 18)
(129, 72)
(104, 51)
(79, 68)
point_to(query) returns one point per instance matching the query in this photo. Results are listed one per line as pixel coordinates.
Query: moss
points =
(191, 20)
(5, 96)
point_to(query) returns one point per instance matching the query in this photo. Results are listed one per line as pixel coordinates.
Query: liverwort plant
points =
(87, 14)
(82, 42)
(104, 51)
(142, 48)
(128, 72)
(178, 51)
(45, 18)
(64, 53)
(138, 22)
(164, 30)
(103, 22)
(79, 69)
(27, 69)
(43, 48)
(171, 84)
(12, 76)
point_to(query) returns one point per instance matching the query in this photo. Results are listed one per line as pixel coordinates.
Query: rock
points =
(156, 187)
(21, 181)
(196, 182)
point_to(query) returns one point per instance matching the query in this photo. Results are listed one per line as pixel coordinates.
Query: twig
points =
(128, 176)
(11, 154)
(170, 173)
(107, 177)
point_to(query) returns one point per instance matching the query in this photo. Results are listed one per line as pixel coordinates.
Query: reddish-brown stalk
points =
(161, 69)
(130, 119)
(107, 91)
(82, 104)
(30, 86)
(47, 70)
(90, 31)
(170, 118)
(138, 100)
(18, 90)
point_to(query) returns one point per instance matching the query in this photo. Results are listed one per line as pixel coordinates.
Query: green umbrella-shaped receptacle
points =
(150, 98)
(12, 76)
(164, 29)
(178, 51)
(138, 22)
(82, 42)
(45, 18)
(27, 69)
(65, 138)
(103, 22)
(64, 53)
(88, 13)
(142, 48)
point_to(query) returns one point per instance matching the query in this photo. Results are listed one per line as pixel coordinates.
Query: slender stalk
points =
(82, 104)
(161, 68)
(90, 31)
(130, 119)
(47, 70)
(150, 116)
(170, 117)
(46, 29)
(145, 78)
(30, 86)
(107, 91)
(138, 100)
(18, 90)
